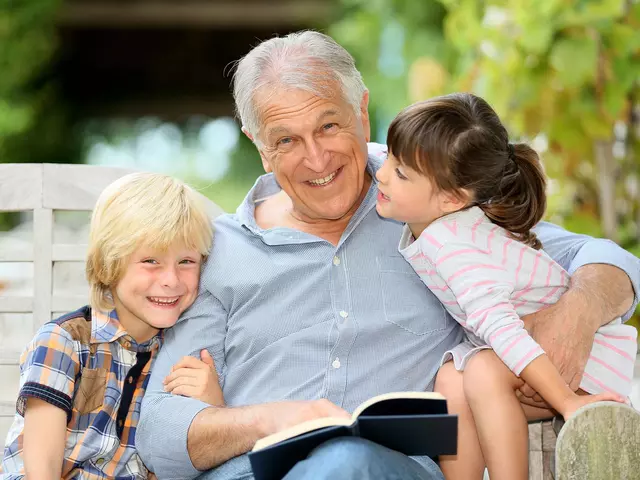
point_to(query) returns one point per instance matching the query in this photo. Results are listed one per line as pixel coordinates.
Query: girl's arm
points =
(45, 428)
(483, 290)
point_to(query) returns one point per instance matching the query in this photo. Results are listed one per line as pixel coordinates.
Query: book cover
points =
(413, 423)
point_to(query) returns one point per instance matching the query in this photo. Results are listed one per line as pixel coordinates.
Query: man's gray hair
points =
(307, 60)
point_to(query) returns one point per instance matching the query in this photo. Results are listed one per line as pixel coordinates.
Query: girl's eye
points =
(150, 261)
(400, 175)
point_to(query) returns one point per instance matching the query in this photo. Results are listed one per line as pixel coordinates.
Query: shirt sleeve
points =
(483, 291)
(573, 251)
(161, 437)
(48, 369)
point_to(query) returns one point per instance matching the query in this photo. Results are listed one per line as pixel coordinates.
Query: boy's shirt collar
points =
(106, 328)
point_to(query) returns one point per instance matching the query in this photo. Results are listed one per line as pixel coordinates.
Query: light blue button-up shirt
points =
(289, 316)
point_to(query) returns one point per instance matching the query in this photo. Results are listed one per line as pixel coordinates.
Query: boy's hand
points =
(195, 378)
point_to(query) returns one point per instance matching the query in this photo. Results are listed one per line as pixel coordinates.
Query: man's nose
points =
(317, 157)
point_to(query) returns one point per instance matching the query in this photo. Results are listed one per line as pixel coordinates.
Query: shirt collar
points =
(106, 328)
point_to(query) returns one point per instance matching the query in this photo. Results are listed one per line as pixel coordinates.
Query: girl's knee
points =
(485, 373)
(449, 381)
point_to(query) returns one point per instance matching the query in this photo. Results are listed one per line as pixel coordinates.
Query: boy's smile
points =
(156, 288)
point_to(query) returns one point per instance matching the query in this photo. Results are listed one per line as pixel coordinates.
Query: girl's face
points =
(411, 197)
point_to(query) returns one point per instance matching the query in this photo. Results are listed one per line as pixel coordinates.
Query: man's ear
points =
(265, 163)
(364, 116)
(246, 132)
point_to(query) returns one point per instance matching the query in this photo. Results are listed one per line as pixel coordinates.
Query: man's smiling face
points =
(317, 150)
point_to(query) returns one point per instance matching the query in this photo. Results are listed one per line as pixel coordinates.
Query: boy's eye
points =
(151, 261)
(187, 261)
(400, 175)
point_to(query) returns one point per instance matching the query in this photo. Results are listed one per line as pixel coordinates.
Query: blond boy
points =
(83, 376)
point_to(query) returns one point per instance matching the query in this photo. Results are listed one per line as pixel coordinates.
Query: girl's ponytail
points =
(520, 200)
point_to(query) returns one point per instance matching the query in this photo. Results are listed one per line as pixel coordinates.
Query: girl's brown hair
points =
(459, 142)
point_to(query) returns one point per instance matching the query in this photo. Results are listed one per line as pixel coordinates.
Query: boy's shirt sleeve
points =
(48, 369)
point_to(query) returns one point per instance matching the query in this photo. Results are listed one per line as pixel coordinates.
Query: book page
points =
(305, 427)
(395, 395)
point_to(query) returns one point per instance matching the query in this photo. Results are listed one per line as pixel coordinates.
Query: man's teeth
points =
(164, 301)
(325, 180)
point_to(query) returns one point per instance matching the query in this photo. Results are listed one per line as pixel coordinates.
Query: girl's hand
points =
(195, 378)
(575, 402)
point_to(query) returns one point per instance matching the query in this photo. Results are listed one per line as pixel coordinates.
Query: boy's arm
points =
(44, 440)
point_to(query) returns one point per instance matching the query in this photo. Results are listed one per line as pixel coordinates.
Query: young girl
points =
(469, 199)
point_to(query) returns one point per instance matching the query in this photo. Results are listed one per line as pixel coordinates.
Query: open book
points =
(413, 423)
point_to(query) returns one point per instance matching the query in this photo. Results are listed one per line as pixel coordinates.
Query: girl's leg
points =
(489, 387)
(468, 464)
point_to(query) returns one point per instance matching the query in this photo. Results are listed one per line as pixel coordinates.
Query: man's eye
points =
(329, 126)
(400, 175)
(285, 141)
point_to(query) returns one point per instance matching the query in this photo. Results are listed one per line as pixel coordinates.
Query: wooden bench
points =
(57, 286)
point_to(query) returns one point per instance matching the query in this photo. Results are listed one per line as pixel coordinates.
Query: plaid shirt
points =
(86, 364)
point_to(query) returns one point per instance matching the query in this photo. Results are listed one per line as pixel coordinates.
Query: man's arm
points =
(601, 270)
(604, 285)
(178, 437)
(161, 435)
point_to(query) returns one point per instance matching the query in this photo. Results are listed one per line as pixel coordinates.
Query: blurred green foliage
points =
(562, 74)
(34, 125)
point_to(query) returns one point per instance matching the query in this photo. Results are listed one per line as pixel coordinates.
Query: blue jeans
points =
(352, 458)
(345, 458)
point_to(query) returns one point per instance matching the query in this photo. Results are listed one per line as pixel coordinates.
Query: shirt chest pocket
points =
(90, 393)
(406, 301)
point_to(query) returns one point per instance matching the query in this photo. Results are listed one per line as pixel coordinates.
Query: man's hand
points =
(195, 378)
(565, 331)
(284, 415)
(218, 434)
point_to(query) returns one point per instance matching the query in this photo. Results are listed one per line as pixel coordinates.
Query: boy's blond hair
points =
(141, 209)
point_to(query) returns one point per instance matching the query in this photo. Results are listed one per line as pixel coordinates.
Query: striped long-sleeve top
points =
(487, 281)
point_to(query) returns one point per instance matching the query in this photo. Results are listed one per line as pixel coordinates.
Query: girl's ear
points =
(453, 201)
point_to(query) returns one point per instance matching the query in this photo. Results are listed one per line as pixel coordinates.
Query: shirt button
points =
(100, 461)
(336, 261)
(120, 423)
(336, 363)
(344, 314)
(130, 379)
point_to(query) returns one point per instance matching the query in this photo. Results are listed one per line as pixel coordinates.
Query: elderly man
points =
(305, 303)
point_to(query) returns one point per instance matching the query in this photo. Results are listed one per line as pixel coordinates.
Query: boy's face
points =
(156, 288)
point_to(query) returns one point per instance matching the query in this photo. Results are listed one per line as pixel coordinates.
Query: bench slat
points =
(10, 357)
(16, 304)
(69, 253)
(20, 187)
(20, 254)
(68, 303)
